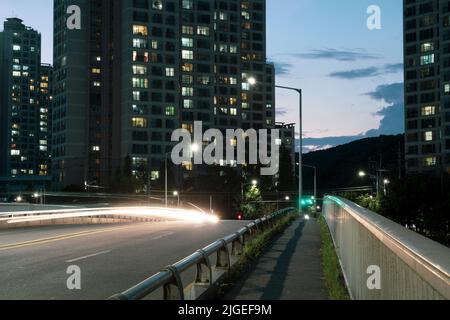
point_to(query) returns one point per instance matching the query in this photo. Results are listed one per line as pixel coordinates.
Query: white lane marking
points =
(88, 256)
(165, 234)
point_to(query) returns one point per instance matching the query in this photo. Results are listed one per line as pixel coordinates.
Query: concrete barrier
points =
(382, 260)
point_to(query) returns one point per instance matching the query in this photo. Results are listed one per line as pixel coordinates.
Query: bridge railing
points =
(227, 251)
(383, 260)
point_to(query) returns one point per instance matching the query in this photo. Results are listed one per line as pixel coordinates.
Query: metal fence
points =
(227, 251)
(382, 260)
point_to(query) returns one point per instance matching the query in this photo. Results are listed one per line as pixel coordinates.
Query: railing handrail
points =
(172, 273)
(420, 253)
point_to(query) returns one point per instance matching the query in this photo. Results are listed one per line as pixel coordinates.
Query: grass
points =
(334, 279)
(251, 252)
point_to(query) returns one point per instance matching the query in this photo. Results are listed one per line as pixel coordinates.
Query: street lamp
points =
(362, 174)
(194, 148)
(287, 198)
(252, 81)
(177, 194)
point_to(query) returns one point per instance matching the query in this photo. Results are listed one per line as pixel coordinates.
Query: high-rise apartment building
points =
(427, 85)
(139, 69)
(24, 103)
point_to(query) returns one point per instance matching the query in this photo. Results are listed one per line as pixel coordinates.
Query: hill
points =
(338, 167)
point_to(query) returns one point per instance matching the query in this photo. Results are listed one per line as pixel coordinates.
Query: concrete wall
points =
(411, 266)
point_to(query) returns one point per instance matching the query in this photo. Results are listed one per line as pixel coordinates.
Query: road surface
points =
(112, 258)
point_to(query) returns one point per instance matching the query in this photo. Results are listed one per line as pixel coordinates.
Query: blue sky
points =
(350, 75)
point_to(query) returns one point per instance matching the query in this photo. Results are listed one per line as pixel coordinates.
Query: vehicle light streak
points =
(161, 213)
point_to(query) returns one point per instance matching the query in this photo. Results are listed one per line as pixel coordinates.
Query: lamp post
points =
(300, 165)
(194, 148)
(252, 81)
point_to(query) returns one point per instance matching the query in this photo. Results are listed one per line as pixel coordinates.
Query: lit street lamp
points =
(194, 148)
(177, 194)
(252, 81)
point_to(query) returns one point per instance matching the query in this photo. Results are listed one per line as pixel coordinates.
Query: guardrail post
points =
(223, 257)
(174, 289)
(247, 237)
(237, 245)
(204, 270)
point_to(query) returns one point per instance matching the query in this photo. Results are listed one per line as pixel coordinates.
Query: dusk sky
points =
(351, 76)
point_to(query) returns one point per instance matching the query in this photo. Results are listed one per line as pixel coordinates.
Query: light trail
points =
(146, 212)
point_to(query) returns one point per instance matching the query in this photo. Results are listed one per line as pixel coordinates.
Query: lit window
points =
(187, 42)
(96, 70)
(427, 59)
(447, 88)
(16, 47)
(139, 43)
(428, 136)
(187, 30)
(157, 4)
(428, 111)
(430, 161)
(426, 47)
(139, 122)
(187, 92)
(15, 152)
(188, 4)
(188, 104)
(170, 111)
(203, 31)
(170, 72)
(96, 148)
(140, 30)
(187, 54)
(140, 83)
(142, 70)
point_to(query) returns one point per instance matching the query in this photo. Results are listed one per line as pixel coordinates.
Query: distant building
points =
(287, 137)
(427, 85)
(25, 104)
(138, 69)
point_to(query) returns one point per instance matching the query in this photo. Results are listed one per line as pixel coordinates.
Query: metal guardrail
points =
(206, 274)
(409, 265)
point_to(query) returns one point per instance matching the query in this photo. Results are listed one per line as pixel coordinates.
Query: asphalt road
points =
(112, 258)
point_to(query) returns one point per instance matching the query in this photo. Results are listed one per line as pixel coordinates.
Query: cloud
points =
(390, 93)
(393, 116)
(367, 72)
(281, 112)
(339, 55)
(356, 73)
(392, 121)
(282, 68)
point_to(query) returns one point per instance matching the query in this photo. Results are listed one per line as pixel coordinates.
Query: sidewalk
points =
(290, 269)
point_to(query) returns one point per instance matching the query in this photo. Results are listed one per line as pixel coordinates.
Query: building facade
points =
(25, 103)
(139, 69)
(427, 85)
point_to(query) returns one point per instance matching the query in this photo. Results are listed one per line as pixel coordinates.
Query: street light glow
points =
(195, 147)
(362, 174)
(251, 81)
(254, 183)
